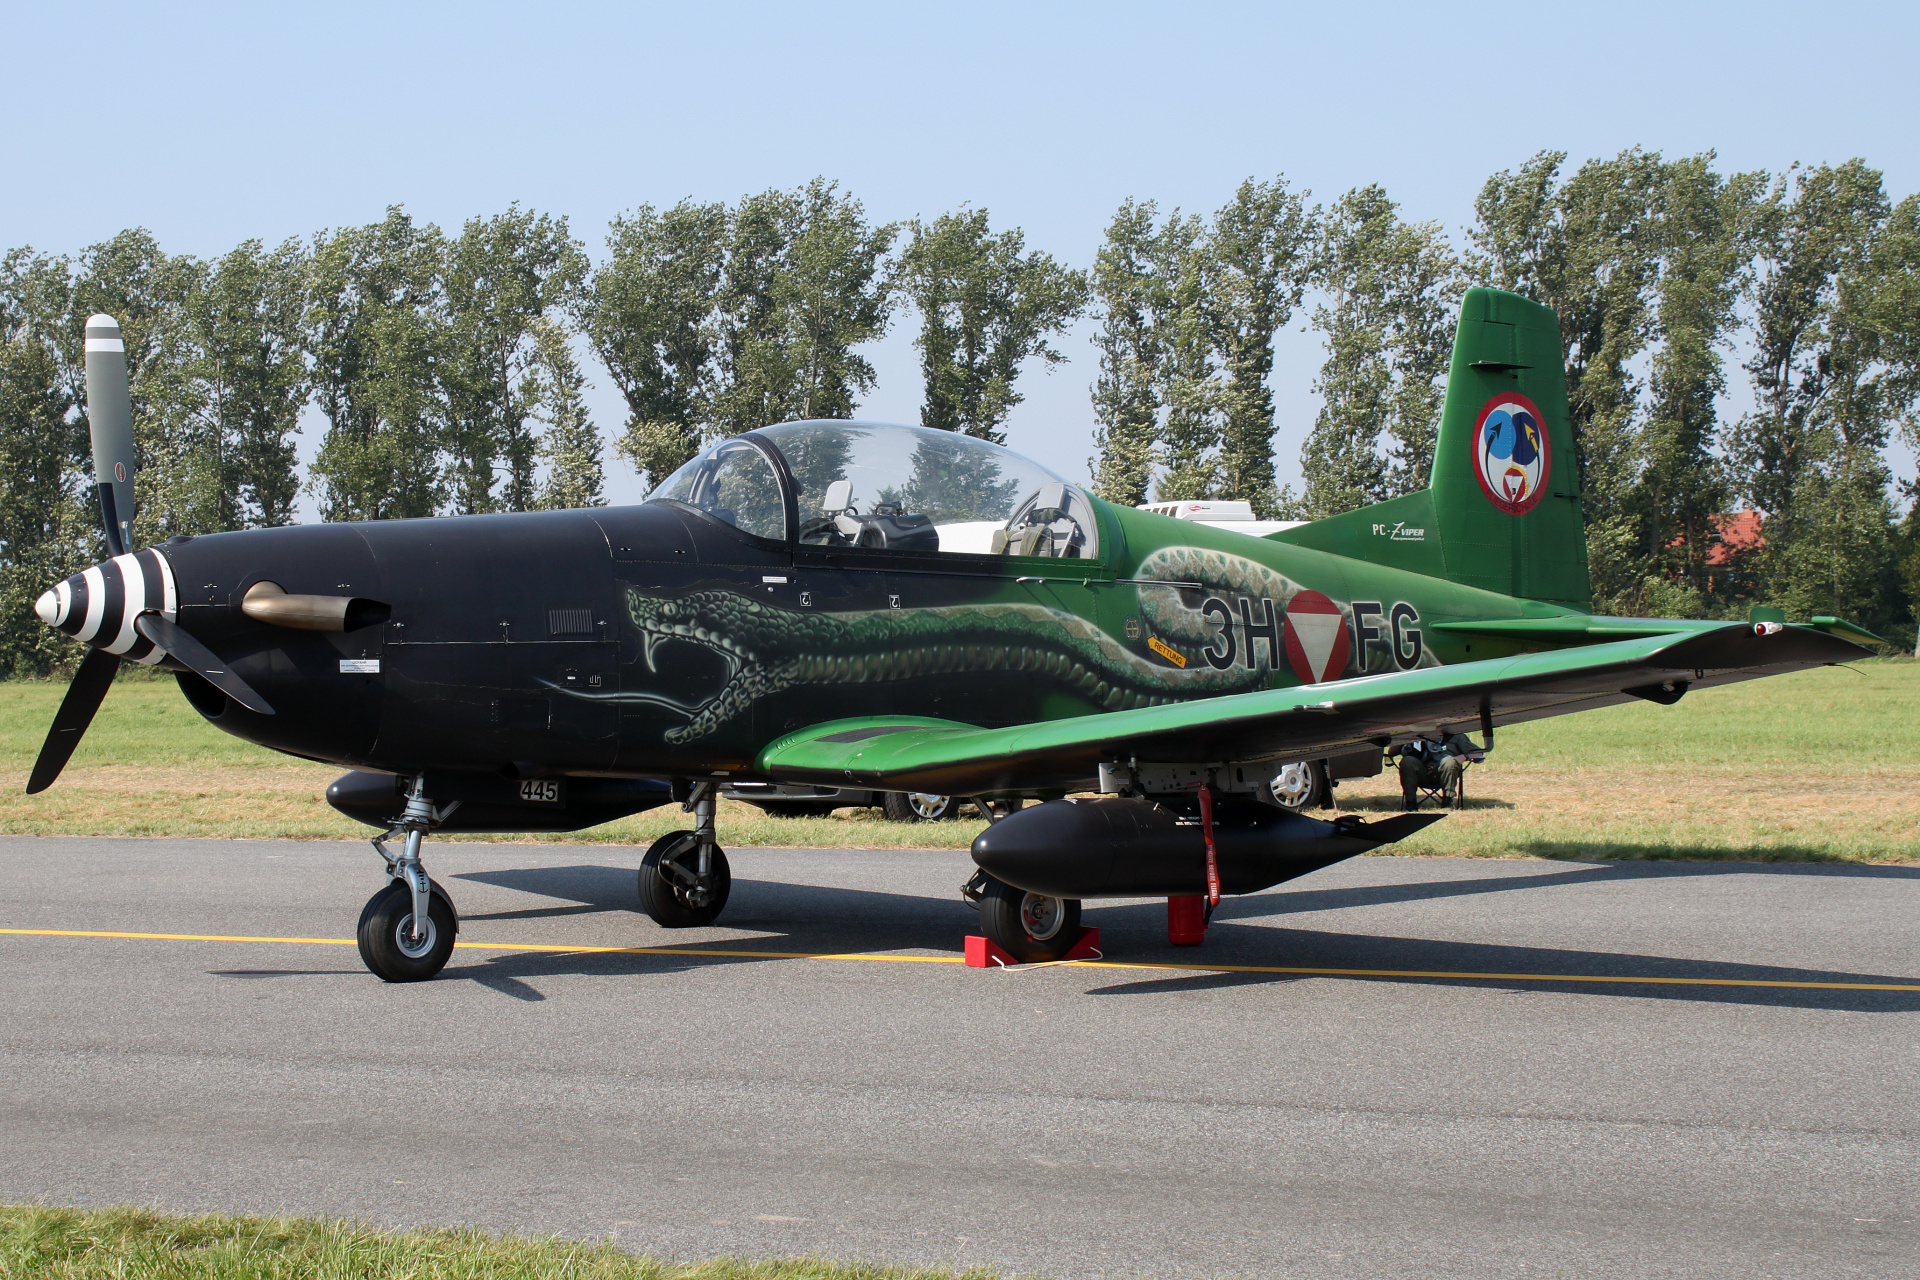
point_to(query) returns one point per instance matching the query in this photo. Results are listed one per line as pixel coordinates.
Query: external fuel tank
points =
(1133, 848)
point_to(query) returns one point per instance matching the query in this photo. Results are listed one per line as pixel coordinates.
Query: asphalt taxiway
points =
(1542, 1067)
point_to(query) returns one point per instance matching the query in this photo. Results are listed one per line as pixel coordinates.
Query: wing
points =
(904, 753)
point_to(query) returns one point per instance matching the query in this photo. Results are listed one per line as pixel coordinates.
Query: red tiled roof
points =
(1739, 531)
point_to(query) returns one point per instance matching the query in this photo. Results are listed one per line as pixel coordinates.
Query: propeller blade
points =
(110, 419)
(84, 695)
(172, 637)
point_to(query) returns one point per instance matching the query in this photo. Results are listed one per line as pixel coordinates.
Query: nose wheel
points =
(672, 889)
(684, 878)
(392, 943)
(407, 930)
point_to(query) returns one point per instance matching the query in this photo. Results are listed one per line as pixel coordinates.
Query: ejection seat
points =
(1046, 527)
(885, 528)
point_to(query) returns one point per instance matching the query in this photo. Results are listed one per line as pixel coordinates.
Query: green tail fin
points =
(1503, 509)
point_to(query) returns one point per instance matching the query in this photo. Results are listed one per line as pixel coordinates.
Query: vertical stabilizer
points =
(1502, 512)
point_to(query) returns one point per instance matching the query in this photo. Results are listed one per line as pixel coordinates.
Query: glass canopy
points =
(883, 487)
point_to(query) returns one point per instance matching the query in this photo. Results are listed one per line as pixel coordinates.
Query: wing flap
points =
(952, 758)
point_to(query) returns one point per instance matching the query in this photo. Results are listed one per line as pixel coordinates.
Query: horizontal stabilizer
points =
(1841, 627)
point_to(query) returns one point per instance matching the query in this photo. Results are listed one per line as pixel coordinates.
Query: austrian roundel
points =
(1316, 637)
(1511, 456)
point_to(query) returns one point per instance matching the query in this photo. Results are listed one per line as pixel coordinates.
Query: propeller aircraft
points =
(853, 604)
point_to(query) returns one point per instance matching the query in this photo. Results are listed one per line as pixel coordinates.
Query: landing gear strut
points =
(407, 929)
(684, 879)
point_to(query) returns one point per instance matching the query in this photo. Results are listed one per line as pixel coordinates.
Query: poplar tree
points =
(569, 442)
(1189, 385)
(1131, 298)
(802, 288)
(1391, 287)
(46, 530)
(1705, 232)
(376, 329)
(504, 275)
(649, 316)
(1815, 225)
(1261, 256)
(1189, 310)
(1831, 546)
(986, 307)
(181, 482)
(1588, 248)
(245, 318)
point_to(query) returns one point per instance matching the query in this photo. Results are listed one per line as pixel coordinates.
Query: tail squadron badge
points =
(1511, 457)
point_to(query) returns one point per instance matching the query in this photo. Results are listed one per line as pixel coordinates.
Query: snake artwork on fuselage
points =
(1222, 624)
(833, 604)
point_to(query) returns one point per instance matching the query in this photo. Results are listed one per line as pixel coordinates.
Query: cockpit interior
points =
(882, 487)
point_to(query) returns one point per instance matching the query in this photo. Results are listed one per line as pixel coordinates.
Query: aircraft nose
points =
(98, 605)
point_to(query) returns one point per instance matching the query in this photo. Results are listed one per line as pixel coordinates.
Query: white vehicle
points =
(1232, 514)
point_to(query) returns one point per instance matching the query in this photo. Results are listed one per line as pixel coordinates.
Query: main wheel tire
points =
(387, 945)
(667, 889)
(1030, 927)
(919, 806)
(1301, 785)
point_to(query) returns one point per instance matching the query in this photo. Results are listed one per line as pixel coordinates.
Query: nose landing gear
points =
(407, 929)
(684, 879)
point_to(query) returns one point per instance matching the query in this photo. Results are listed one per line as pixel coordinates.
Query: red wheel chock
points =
(983, 954)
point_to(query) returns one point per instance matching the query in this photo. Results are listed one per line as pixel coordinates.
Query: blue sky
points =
(211, 124)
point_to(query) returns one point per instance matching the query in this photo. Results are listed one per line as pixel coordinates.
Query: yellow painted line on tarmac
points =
(1297, 971)
(173, 937)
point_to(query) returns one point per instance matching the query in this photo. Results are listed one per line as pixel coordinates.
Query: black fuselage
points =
(517, 643)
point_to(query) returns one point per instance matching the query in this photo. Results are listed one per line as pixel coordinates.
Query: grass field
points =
(115, 1244)
(1816, 766)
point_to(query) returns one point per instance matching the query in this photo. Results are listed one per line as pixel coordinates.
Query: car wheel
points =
(919, 806)
(1301, 785)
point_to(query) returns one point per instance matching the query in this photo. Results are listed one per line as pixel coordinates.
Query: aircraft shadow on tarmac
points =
(1290, 901)
(817, 918)
(826, 919)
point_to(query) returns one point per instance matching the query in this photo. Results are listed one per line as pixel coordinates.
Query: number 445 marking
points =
(540, 790)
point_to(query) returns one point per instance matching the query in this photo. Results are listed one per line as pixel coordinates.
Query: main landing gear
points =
(684, 879)
(407, 930)
(1030, 927)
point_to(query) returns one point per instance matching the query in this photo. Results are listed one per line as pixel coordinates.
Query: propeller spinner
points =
(124, 607)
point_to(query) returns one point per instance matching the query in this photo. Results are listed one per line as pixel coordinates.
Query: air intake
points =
(569, 622)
